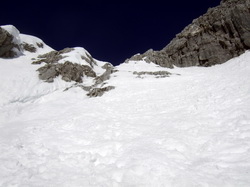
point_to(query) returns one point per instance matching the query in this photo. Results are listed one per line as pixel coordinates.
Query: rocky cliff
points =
(217, 36)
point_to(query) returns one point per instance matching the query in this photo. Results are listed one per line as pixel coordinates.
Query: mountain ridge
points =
(215, 37)
(181, 126)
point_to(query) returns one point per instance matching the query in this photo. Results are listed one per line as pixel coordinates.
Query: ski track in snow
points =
(191, 129)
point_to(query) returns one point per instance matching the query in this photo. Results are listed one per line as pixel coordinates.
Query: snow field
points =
(191, 129)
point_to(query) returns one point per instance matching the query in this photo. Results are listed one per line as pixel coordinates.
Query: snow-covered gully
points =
(189, 129)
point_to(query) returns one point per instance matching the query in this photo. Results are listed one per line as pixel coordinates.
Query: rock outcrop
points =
(52, 57)
(29, 47)
(98, 92)
(73, 65)
(68, 70)
(7, 44)
(55, 65)
(109, 69)
(11, 44)
(217, 36)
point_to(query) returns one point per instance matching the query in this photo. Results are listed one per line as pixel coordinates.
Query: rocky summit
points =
(217, 36)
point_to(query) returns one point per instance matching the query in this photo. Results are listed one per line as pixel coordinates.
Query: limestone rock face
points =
(214, 38)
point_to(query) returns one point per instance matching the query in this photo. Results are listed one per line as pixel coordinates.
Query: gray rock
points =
(106, 75)
(52, 57)
(98, 92)
(217, 36)
(48, 72)
(29, 47)
(89, 59)
(40, 45)
(69, 72)
(72, 71)
(88, 71)
(49, 58)
(7, 45)
(85, 88)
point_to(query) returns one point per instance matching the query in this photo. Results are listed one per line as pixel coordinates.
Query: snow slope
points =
(191, 129)
(19, 79)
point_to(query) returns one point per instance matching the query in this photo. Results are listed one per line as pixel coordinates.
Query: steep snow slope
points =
(189, 129)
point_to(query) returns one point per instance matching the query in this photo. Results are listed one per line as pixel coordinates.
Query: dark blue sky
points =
(110, 31)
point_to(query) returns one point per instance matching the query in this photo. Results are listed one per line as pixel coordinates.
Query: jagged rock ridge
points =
(217, 36)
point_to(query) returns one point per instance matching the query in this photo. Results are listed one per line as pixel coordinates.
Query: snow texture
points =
(189, 129)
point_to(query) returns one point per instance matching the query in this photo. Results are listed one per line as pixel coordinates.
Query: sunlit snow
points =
(189, 129)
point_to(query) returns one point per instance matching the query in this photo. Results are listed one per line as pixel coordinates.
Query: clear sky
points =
(110, 31)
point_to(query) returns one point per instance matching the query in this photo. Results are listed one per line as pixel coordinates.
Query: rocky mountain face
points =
(217, 36)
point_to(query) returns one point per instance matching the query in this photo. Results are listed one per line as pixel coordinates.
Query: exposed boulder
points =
(8, 47)
(217, 36)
